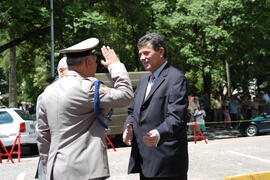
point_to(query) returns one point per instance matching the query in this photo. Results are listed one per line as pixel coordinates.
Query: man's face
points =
(150, 58)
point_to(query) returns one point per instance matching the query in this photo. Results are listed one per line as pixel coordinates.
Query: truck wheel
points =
(33, 148)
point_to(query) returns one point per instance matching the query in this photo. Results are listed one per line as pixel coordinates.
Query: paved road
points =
(213, 161)
(229, 157)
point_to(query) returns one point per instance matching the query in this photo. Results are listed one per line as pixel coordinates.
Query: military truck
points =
(119, 115)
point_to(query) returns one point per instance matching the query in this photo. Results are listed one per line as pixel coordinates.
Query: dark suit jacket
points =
(164, 110)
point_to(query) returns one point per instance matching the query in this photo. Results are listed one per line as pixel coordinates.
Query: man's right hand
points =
(109, 55)
(128, 135)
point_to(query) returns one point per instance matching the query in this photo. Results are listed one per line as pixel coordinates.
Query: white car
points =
(13, 121)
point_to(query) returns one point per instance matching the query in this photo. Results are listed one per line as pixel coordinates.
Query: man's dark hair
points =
(155, 39)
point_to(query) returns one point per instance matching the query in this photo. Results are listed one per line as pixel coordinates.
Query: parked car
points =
(13, 121)
(256, 125)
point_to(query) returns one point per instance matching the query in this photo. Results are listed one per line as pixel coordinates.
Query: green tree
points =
(201, 36)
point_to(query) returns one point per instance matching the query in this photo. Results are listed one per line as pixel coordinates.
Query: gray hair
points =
(62, 64)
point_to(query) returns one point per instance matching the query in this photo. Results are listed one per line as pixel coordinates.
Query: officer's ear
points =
(88, 61)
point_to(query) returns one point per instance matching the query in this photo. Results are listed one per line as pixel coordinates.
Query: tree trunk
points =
(207, 82)
(12, 75)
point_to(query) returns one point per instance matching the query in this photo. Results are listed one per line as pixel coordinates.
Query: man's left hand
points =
(151, 138)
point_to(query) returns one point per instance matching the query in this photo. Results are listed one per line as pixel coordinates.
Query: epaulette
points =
(92, 79)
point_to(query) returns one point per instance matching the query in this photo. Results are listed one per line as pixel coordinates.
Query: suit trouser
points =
(184, 177)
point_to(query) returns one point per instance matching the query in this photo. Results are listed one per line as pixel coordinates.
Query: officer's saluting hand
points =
(109, 55)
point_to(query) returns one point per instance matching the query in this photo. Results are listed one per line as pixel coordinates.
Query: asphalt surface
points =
(226, 154)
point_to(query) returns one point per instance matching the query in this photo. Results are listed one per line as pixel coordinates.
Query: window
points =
(5, 117)
(24, 115)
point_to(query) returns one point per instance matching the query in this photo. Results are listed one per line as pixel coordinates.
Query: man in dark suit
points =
(156, 125)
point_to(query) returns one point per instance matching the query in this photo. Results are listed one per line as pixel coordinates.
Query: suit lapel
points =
(158, 82)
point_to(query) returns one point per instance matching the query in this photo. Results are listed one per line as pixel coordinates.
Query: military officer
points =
(71, 136)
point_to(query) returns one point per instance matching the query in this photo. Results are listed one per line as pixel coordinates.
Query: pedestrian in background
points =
(262, 103)
(218, 112)
(71, 137)
(267, 98)
(156, 124)
(199, 117)
(255, 106)
(226, 113)
(193, 104)
(233, 109)
(205, 101)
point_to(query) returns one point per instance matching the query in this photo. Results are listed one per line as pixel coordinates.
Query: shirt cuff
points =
(115, 64)
(158, 135)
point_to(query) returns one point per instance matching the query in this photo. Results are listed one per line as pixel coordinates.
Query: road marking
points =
(21, 176)
(251, 157)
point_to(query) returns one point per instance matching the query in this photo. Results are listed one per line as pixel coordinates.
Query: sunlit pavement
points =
(213, 161)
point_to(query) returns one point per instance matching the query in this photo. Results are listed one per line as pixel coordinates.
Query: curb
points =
(254, 176)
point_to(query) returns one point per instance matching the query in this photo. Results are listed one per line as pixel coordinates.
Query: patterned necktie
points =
(149, 86)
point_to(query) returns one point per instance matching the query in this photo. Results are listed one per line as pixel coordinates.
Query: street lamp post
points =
(52, 40)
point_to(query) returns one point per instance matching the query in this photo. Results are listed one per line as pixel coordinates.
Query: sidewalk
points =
(212, 133)
(217, 133)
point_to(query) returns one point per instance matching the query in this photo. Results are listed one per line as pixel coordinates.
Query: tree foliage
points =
(200, 36)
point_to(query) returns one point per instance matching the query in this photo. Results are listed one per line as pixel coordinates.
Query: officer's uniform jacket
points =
(71, 141)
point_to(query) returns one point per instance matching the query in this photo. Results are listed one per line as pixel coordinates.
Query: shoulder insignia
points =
(103, 88)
